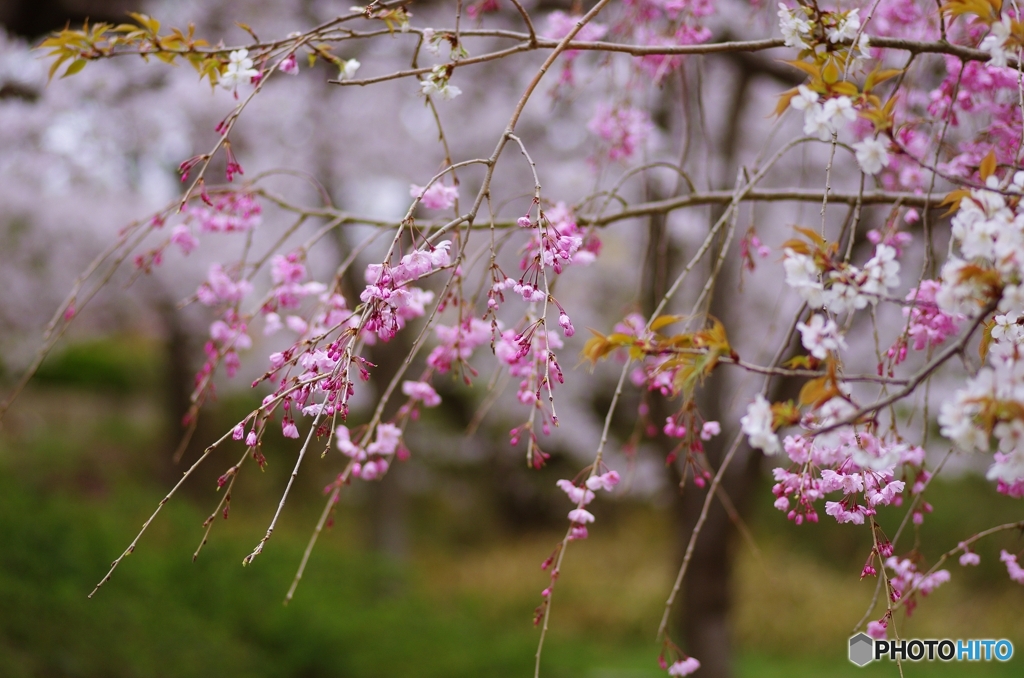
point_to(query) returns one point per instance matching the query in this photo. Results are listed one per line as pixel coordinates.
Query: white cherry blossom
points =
(872, 155)
(757, 424)
(820, 335)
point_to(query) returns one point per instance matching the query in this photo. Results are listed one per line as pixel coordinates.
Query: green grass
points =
(121, 365)
(78, 477)
(73, 495)
(162, 615)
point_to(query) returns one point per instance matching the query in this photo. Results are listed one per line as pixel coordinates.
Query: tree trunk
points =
(388, 501)
(701, 619)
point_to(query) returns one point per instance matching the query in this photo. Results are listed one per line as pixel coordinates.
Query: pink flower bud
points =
(876, 629)
(581, 516)
(369, 471)
(566, 324)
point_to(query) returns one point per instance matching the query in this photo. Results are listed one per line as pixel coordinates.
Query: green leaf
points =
(76, 65)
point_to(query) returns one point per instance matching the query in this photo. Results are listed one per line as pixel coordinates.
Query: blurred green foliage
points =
(121, 365)
(78, 475)
(162, 615)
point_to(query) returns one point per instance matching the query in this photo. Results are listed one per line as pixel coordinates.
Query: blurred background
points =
(436, 570)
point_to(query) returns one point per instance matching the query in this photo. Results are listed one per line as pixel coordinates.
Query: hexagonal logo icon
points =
(861, 649)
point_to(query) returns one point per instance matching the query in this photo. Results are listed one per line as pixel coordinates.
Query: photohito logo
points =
(864, 649)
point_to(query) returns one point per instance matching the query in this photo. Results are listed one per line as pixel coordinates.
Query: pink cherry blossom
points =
(623, 130)
(684, 667)
(438, 197)
(1015, 571)
(581, 516)
(421, 391)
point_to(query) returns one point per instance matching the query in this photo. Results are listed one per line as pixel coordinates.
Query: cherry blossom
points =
(239, 70)
(348, 68)
(437, 84)
(795, 29)
(438, 197)
(421, 391)
(757, 424)
(577, 495)
(623, 129)
(684, 667)
(847, 27)
(872, 155)
(481, 291)
(995, 42)
(581, 516)
(1015, 571)
(820, 336)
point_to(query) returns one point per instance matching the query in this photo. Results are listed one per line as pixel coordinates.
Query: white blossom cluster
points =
(437, 84)
(989, 230)
(821, 335)
(992, 404)
(990, 235)
(794, 28)
(797, 27)
(846, 288)
(823, 119)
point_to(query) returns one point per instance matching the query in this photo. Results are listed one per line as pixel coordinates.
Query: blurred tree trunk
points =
(701, 619)
(704, 616)
(175, 394)
(388, 500)
(179, 377)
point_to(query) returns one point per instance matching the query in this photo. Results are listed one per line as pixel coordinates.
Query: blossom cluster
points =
(581, 495)
(927, 325)
(821, 335)
(905, 578)
(988, 228)
(622, 129)
(372, 461)
(989, 231)
(556, 241)
(991, 405)
(457, 343)
(822, 119)
(438, 196)
(801, 28)
(652, 23)
(971, 93)
(665, 23)
(530, 356)
(390, 298)
(839, 286)
(437, 84)
(860, 465)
